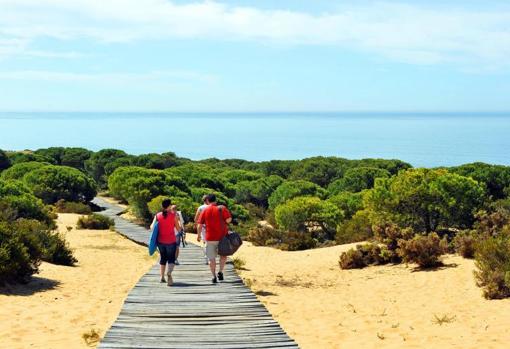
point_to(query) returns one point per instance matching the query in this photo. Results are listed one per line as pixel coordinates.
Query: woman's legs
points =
(163, 254)
(171, 252)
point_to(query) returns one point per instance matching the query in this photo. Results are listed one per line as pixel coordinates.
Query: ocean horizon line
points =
(246, 114)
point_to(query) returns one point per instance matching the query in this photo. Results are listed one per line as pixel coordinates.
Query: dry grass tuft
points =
(238, 263)
(91, 337)
(445, 319)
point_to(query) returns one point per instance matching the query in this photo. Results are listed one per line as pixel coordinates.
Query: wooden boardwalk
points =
(193, 313)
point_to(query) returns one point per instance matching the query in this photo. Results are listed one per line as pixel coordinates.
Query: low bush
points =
(297, 241)
(17, 201)
(464, 244)
(95, 221)
(356, 229)
(390, 234)
(352, 259)
(424, 250)
(57, 250)
(24, 243)
(364, 255)
(63, 206)
(20, 254)
(53, 247)
(492, 259)
(266, 235)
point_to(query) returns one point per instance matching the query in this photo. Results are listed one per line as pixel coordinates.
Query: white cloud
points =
(400, 32)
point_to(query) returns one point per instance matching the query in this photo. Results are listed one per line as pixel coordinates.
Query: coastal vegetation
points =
(399, 214)
(95, 221)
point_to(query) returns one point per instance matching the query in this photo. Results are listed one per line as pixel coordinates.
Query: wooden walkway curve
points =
(193, 313)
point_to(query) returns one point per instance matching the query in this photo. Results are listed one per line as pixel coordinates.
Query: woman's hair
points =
(165, 204)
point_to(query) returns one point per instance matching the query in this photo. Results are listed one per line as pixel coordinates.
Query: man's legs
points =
(212, 266)
(223, 261)
(211, 248)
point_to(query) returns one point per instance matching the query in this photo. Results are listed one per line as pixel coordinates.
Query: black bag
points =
(230, 243)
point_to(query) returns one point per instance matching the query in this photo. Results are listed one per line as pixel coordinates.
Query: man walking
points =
(205, 201)
(216, 218)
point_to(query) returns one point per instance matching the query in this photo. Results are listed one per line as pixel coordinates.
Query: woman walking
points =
(179, 234)
(167, 223)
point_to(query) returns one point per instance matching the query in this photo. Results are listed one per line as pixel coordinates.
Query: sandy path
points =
(62, 303)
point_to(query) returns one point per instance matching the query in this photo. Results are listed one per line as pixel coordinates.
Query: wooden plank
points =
(194, 313)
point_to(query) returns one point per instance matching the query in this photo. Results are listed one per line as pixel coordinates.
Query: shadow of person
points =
(35, 285)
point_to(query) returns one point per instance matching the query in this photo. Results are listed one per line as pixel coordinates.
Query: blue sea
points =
(435, 139)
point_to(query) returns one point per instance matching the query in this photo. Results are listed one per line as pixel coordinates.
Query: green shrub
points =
(23, 244)
(297, 241)
(17, 201)
(63, 206)
(319, 170)
(234, 176)
(186, 205)
(95, 165)
(492, 223)
(348, 202)
(4, 161)
(364, 255)
(264, 236)
(390, 234)
(309, 214)
(424, 250)
(75, 157)
(257, 191)
(18, 260)
(464, 243)
(95, 221)
(426, 199)
(288, 241)
(292, 189)
(356, 229)
(496, 178)
(57, 250)
(492, 259)
(26, 156)
(198, 176)
(53, 247)
(357, 179)
(52, 183)
(138, 186)
(352, 259)
(156, 161)
(18, 171)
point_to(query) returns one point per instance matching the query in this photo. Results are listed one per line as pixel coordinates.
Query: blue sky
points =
(321, 55)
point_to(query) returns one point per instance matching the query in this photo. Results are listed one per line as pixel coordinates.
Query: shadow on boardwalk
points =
(193, 313)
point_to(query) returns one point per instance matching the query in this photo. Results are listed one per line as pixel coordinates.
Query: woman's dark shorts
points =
(167, 253)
